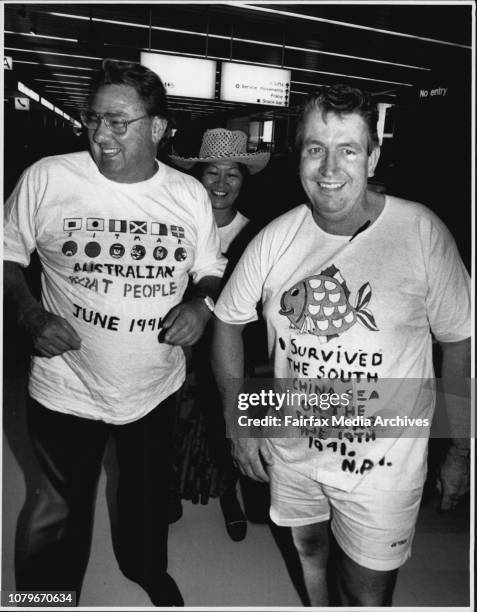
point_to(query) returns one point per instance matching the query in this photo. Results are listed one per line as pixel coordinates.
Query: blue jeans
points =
(55, 550)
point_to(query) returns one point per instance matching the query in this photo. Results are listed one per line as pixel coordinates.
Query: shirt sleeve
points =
(209, 260)
(449, 294)
(238, 301)
(19, 232)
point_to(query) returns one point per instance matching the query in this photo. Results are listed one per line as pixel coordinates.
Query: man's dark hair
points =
(146, 82)
(341, 100)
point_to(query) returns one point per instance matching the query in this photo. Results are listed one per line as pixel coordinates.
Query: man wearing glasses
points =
(118, 235)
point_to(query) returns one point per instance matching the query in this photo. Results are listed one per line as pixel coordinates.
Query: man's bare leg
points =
(360, 586)
(312, 544)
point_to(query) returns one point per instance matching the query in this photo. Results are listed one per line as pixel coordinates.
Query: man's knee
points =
(356, 585)
(311, 541)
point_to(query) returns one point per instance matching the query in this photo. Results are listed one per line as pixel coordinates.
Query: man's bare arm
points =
(185, 323)
(251, 454)
(454, 473)
(51, 334)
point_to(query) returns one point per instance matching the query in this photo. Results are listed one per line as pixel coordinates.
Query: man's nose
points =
(328, 164)
(101, 132)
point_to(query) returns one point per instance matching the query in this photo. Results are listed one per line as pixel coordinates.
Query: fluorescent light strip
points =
(48, 105)
(54, 53)
(52, 65)
(349, 76)
(34, 96)
(319, 52)
(79, 99)
(357, 57)
(346, 24)
(65, 82)
(27, 91)
(293, 82)
(72, 95)
(73, 76)
(244, 40)
(40, 36)
(168, 52)
(69, 85)
(61, 88)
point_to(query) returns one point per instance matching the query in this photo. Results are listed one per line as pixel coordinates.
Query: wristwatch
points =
(209, 302)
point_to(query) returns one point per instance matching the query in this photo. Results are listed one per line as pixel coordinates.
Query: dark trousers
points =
(55, 550)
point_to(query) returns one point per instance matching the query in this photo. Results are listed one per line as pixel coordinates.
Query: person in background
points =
(353, 283)
(118, 235)
(204, 465)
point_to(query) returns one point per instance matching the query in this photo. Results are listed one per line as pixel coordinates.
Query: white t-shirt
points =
(357, 315)
(228, 232)
(116, 257)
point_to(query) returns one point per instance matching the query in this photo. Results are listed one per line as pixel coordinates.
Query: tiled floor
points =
(214, 571)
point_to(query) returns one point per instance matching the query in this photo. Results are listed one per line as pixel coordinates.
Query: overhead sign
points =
(7, 62)
(255, 84)
(183, 76)
(22, 104)
(432, 92)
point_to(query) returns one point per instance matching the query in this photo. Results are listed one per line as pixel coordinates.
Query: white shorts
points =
(373, 527)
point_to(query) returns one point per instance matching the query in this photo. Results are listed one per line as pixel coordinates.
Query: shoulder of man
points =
(56, 162)
(183, 182)
(271, 233)
(415, 212)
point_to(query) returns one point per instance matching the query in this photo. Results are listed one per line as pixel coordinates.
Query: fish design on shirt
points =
(320, 305)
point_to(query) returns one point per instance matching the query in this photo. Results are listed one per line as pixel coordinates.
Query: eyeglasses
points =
(92, 121)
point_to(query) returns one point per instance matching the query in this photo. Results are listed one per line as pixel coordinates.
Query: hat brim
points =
(254, 161)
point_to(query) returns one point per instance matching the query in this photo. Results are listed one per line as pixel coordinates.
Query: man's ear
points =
(373, 160)
(159, 127)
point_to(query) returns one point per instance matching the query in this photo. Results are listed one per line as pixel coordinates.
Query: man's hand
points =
(453, 481)
(185, 323)
(251, 454)
(51, 334)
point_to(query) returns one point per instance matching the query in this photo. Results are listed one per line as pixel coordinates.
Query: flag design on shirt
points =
(159, 229)
(138, 227)
(94, 224)
(118, 226)
(72, 224)
(177, 232)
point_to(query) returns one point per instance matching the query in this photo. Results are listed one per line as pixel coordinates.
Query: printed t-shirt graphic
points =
(320, 305)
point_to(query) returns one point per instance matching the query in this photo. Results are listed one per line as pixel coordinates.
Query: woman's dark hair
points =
(341, 100)
(198, 169)
(146, 82)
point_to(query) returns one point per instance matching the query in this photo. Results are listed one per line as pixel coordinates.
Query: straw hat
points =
(220, 145)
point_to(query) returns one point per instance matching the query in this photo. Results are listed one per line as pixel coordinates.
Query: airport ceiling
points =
(387, 49)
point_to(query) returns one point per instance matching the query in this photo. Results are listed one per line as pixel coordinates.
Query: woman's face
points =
(223, 181)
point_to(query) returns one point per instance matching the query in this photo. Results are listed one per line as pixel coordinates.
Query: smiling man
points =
(352, 283)
(118, 235)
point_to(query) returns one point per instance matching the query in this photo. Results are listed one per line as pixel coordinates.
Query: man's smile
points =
(107, 152)
(330, 186)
